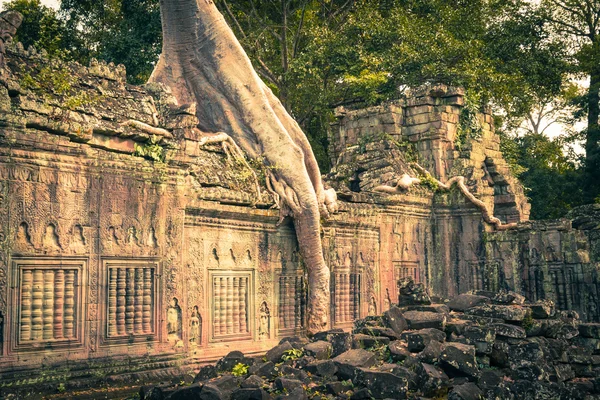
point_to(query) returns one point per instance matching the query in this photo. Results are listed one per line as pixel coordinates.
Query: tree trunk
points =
(592, 143)
(202, 61)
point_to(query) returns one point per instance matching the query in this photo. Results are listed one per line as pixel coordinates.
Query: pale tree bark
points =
(203, 62)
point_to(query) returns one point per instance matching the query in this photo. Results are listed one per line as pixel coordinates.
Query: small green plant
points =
(61, 388)
(469, 125)
(429, 181)
(239, 369)
(528, 322)
(292, 354)
(150, 150)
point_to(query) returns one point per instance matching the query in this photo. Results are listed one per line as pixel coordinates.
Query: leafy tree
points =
(553, 179)
(125, 32)
(579, 20)
(42, 28)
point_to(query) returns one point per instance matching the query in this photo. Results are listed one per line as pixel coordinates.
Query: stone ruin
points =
(128, 246)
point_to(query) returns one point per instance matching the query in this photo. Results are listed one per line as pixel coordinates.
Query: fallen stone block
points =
(394, 320)
(510, 331)
(382, 385)
(340, 341)
(276, 353)
(467, 391)
(321, 350)
(512, 313)
(352, 359)
(425, 319)
(459, 360)
(463, 302)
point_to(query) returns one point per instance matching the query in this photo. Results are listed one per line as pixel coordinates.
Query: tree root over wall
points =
(407, 181)
(202, 62)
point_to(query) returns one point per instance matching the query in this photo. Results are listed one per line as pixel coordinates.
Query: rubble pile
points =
(479, 345)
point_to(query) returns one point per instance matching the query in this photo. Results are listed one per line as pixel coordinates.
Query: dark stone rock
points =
(590, 330)
(562, 372)
(297, 394)
(250, 394)
(459, 360)
(434, 380)
(379, 331)
(398, 350)
(411, 293)
(543, 309)
(508, 297)
(525, 354)
(405, 373)
(463, 302)
(457, 326)
(394, 320)
(512, 313)
(499, 355)
(561, 330)
(382, 385)
(321, 350)
(276, 353)
(510, 331)
(417, 340)
(352, 359)
(211, 392)
(232, 359)
(361, 394)
(287, 385)
(295, 341)
(340, 341)
(296, 373)
(191, 392)
(435, 308)
(489, 379)
(151, 393)
(591, 345)
(324, 368)
(253, 381)
(425, 319)
(361, 341)
(432, 352)
(467, 391)
(206, 373)
(265, 370)
(336, 388)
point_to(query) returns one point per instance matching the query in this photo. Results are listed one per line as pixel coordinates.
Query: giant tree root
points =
(406, 182)
(202, 62)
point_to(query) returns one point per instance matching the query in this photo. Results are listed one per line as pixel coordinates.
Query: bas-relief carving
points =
(174, 323)
(264, 327)
(195, 335)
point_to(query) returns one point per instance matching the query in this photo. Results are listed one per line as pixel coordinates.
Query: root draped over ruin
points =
(406, 181)
(202, 62)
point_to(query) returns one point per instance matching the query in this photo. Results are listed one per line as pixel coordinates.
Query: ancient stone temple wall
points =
(127, 245)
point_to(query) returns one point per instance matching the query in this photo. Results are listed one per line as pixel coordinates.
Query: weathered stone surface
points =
(340, 341)
(249, 394)
(253, 381)
(508, 297)
(324, 368)
(231, 360)
(361, 341)
(459, 359)
(348, 362)
(590, 330)
(411, 293)
(432, 352)
(382, 385)
(191, 392)
(511, 313)
(398, 350)
(417, 340)
(511, 331)
(320, 349)
(425, 319)
(467, 391)
(543, 309)
(380, 331)
(434, 379)
(394, 320)
(276, 353)
(463, 302)
(151, 393)
(287, 385)
(264, 370)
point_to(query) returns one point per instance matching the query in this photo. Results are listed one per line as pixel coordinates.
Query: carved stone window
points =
(131, 300)
(292, 303)
(48, 299)
(232, 300)
(347, 296)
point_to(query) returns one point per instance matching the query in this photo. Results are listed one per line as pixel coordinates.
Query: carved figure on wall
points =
(132, 236)
(152, 242)
(174, 320)
(551, 254)
(265, 321)
(50, 241)
(373, 307)
(77, 244)
(195, 327)
(23, 240)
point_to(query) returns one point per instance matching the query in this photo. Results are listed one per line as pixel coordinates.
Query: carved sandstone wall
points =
(113, 259)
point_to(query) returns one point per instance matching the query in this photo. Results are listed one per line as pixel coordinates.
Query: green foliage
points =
(553, 179)
(239, 369)
(429, 182)
(469, 123)
(292, 354)
(150, 150)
